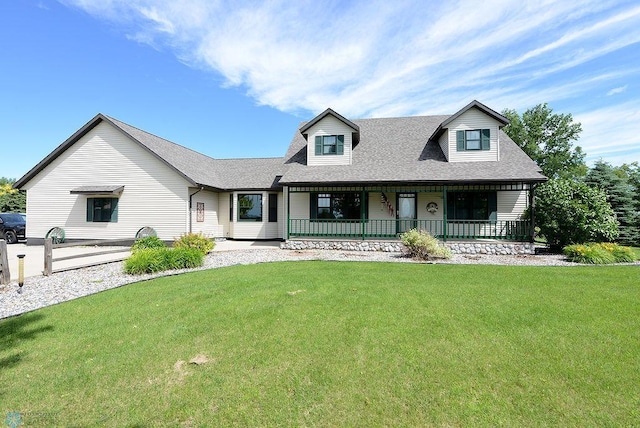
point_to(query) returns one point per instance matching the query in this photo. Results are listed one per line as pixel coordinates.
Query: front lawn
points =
(335, 344)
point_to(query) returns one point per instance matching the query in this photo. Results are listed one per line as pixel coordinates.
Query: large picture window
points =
(102, 210)
(472, 206)
(250, 207)
(342, 206)
(329, 145)
(473, 139)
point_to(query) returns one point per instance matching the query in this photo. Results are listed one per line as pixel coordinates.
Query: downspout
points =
(191, 207)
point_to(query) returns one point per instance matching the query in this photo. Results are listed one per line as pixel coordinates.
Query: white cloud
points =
(618, 90)
(611, 133)
(375, 58)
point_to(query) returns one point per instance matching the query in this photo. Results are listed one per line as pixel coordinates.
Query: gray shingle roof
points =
(396, 150)
(227, 174)
(250, 173)
(198, 169)
(390, 150)
(194, 166)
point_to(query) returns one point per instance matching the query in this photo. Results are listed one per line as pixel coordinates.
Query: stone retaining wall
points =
(457, 247)
(496, 248)
(386, 246)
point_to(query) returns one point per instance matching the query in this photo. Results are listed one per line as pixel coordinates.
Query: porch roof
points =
(394, 150)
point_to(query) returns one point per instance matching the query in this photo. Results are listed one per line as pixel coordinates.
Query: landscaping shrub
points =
(184, 258)
(147, 242)
(151, 260)
(420, 244)
(599, 253)
(570, 212)
(194, 240)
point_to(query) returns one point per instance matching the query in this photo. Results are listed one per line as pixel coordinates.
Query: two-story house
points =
(458, 177)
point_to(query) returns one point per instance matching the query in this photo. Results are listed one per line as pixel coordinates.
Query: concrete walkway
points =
(34, 255)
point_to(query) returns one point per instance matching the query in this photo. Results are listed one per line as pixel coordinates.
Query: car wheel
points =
(10, 237)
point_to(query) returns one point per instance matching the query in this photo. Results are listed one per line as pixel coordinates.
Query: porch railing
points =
(515, 230)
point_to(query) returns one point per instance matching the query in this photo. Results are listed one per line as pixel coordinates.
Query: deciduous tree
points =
(11, 200)
(548, 138)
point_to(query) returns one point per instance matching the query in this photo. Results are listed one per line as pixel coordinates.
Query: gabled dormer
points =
(472, 134)
(330, 139)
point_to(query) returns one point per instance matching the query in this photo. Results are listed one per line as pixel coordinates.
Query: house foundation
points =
(456, 247)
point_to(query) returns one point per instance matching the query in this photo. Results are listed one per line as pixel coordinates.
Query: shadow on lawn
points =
(13, 333)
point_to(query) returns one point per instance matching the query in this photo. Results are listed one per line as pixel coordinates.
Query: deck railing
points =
(515, 230)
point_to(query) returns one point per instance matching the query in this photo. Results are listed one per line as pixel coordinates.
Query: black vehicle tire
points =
(10, 237)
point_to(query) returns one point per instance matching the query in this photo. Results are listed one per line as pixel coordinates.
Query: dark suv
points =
(12, 227)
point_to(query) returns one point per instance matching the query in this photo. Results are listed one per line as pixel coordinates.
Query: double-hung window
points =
(473, 139)
(329, 145)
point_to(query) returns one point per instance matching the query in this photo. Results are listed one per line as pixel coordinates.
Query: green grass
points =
(335, 344)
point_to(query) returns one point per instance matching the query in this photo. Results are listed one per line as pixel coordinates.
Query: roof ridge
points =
(252, 158)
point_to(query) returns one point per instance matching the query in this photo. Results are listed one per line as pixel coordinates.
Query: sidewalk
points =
(34, 255)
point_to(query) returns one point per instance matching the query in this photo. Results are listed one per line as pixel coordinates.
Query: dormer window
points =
(329, 145)
(473, 139)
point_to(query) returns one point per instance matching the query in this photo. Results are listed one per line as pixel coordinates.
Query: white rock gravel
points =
(41, 291)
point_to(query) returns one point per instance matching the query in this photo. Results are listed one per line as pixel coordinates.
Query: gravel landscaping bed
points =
(43, 291)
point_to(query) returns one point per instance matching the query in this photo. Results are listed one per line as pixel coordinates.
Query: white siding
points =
(300, 205)
(154, 195)
(258, 229)
(210, 226)
(511, 204)
(473, 119)
(382, 214)
(223, 214)
(329, 125)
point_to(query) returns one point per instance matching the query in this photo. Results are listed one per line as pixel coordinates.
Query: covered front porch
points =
(448, 212)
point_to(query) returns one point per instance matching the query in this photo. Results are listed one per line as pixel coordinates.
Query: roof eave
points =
(333, 113)
(59, 150)
(477, 104)
(77, 136)
(144, 146)
(414, 182)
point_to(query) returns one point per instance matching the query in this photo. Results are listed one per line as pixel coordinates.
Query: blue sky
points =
(234, 79)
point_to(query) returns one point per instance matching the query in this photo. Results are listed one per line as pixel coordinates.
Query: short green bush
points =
(185, 258)
(194, 240)
(420, 244)
(146, 260)
(624, 254)
(147, 242)
(599, 253)
(151, 260)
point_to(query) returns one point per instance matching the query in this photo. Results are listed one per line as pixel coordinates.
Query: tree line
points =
(578, 204)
